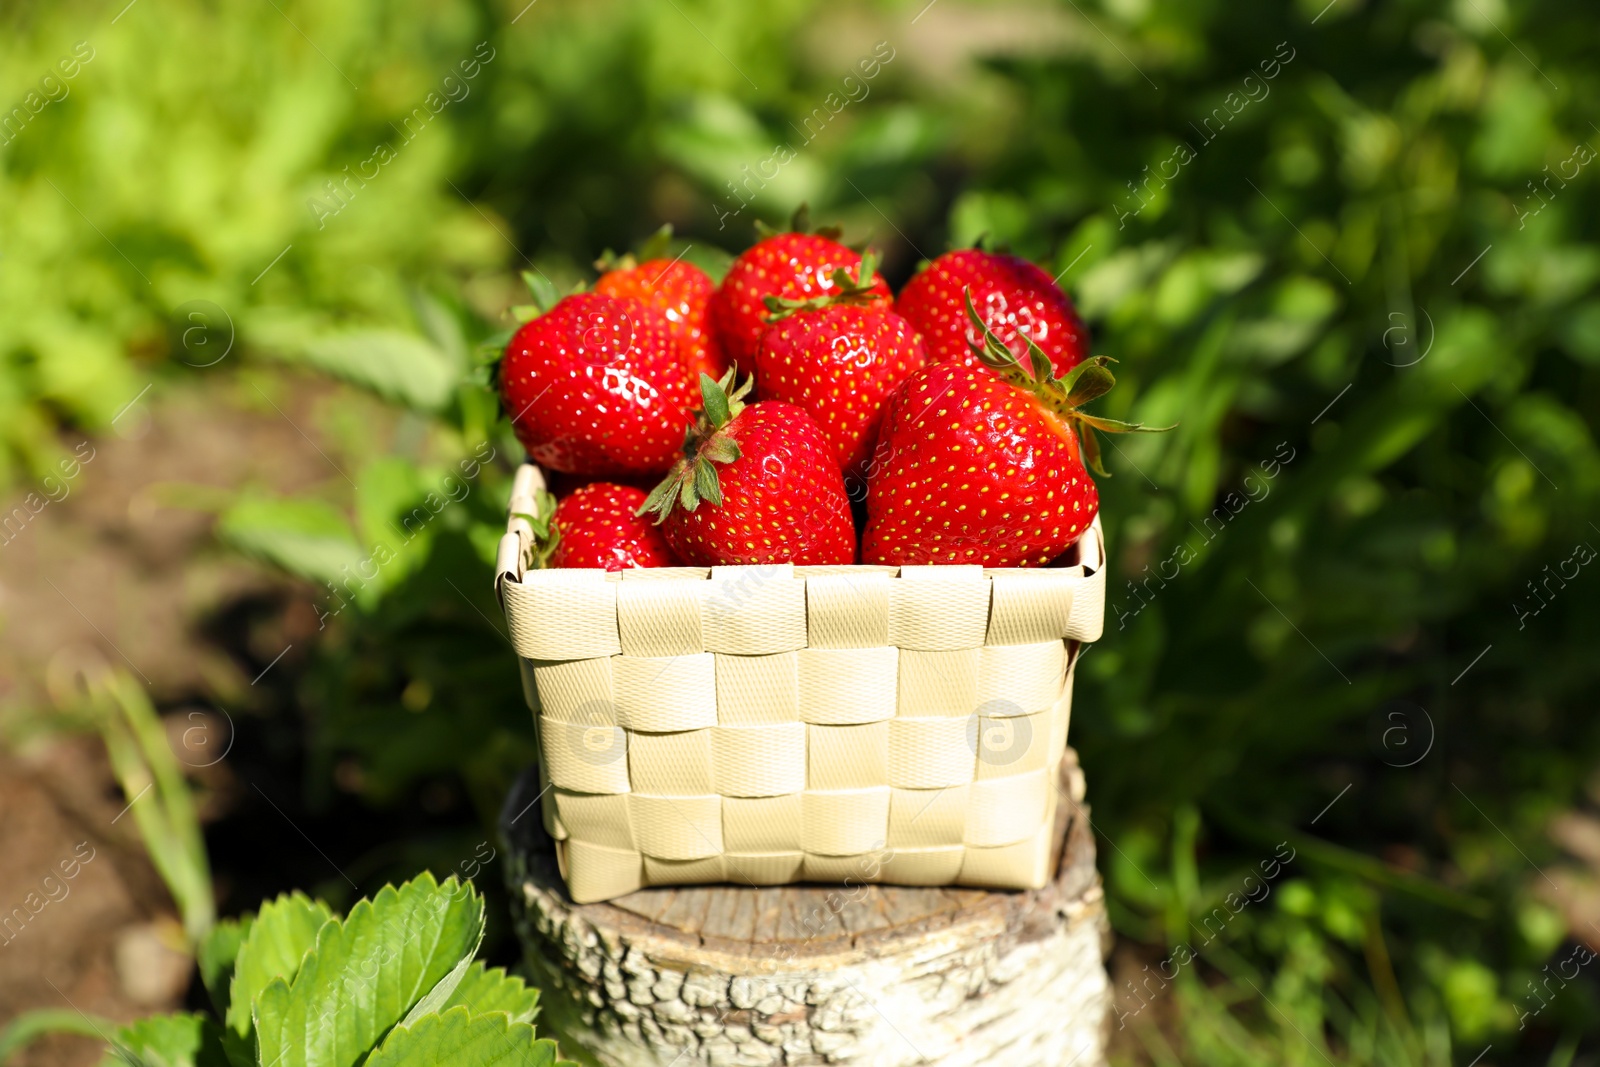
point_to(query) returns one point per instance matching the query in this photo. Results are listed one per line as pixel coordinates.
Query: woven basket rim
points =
(517, 542)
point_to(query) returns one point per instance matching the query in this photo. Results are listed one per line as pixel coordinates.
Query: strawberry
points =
(1018, 301)
(792, 266)
(599, 526)
(979, 467)
(682, 292)
(838, 356)
(595, 387)
(757, 484)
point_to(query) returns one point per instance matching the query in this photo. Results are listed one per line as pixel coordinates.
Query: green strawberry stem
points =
(1062, 396)
(847, 290)
(693, 479)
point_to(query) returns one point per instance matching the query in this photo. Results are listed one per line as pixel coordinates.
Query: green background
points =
(1364, 287)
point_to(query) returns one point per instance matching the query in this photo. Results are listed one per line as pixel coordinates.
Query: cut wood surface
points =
(820, 974)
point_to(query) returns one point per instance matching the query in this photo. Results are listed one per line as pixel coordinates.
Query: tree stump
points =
(819, 974)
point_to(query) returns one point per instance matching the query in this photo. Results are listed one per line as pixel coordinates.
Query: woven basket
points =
(774, 724)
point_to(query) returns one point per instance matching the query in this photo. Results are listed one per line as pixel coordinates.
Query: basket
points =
(774, 724)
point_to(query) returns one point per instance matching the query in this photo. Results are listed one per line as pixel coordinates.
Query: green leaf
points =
(279, 938)
(545, 293)
(441, 325)
(304, 537)
(721, 449)
(217, 955)
(181, 1040)
(1088, 381)
(715, 399)
(457, 1038)
(657, 245)
(367, 972)
(490, 989)
(707, 486)
(385, 488)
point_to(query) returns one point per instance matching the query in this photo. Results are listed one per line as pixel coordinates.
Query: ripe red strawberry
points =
(1017, 300)
(757, 484)
(838, 357)
(595, 387)
(791, 266)
(599, 526)
(986, 468)
(680, 291)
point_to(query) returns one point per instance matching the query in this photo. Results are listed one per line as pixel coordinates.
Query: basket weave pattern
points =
(766, 725)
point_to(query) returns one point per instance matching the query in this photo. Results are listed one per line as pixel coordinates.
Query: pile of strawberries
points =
(765, 419)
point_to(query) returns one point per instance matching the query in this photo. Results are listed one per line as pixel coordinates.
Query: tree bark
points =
(815, 974)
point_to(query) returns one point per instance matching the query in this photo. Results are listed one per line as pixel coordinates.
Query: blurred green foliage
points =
(1350, 248)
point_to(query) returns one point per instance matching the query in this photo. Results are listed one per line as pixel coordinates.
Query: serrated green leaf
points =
(367, 972)
(484, 989)
(216, 956)
(180, 1040)
(457, 1038)
(304, 537)
(279, 938)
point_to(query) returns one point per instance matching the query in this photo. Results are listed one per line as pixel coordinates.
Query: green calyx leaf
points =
(694, 479)
(610, 261)
(545, 293)
(546, 534)
(1062, 396)
(847, 290)
(657, 245)
(800, 222)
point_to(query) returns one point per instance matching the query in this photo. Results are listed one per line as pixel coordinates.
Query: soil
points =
(110, 573)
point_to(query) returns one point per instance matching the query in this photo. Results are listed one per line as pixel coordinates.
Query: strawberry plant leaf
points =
(304, 537)
(367, 972)
(483, 990)
(277, 942)
(398, 366)
(436, 998)
(458, 1038)
(178, 1040)
(217, 956)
